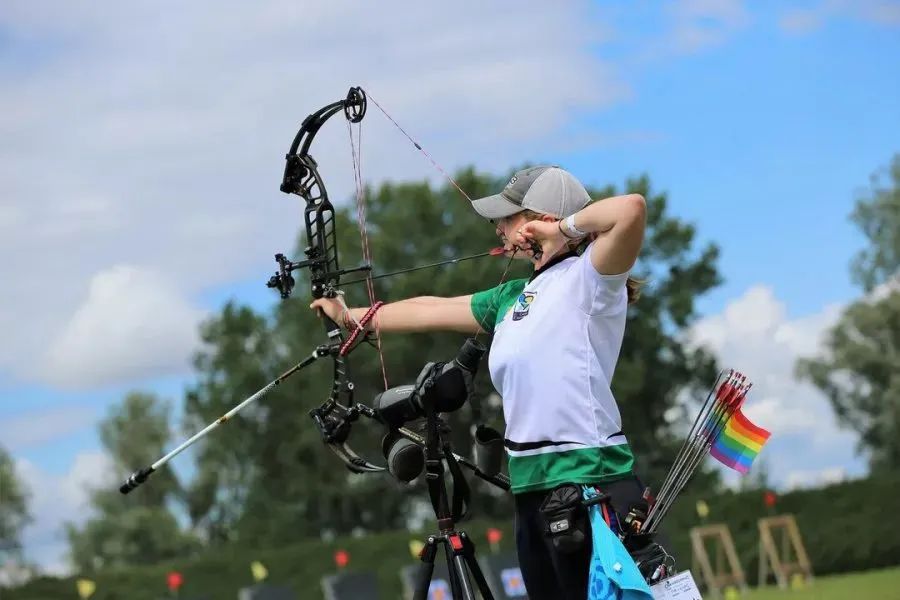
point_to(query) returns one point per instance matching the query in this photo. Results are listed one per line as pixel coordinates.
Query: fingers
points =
(525, 240)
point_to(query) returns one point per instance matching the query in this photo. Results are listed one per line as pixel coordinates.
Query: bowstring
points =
(356, 152)
(461, 191)
(420, 148)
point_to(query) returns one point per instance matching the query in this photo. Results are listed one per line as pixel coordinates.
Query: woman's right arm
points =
(424, 313)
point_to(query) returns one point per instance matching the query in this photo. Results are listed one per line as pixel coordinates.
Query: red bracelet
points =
(370, 314)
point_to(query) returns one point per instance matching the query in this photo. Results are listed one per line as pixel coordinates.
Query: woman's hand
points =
(331, 307)
(545, 234)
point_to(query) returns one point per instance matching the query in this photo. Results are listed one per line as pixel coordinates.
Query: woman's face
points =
(506, 229)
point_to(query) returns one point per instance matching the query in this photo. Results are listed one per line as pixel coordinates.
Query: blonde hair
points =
(632, 284)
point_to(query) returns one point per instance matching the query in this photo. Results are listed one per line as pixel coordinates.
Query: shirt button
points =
(617, 567)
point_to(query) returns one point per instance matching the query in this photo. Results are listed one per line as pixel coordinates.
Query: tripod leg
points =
(469, 556)
(460, 563)
(426, 570)
(460, 588)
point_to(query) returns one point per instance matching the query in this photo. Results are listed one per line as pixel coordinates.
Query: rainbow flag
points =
(739, 442)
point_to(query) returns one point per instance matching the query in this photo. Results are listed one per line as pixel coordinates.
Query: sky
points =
(142, 143)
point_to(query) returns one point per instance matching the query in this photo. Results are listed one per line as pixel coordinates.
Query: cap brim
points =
(495, 207)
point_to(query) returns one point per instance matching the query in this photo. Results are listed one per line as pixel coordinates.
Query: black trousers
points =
(548, 573)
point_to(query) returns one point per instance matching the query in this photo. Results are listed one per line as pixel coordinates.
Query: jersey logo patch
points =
(523, 305)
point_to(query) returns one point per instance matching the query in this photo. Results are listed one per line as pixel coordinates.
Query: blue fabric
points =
(613, 576)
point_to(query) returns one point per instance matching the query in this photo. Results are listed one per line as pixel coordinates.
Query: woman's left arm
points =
(619, 224)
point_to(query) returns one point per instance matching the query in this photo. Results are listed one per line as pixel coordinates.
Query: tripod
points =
(458, 547)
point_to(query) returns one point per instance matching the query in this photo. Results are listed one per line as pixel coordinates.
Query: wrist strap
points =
(360, 328)
(563, 231)
(570, 224)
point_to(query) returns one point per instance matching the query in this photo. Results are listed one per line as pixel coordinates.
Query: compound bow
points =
(302, 178)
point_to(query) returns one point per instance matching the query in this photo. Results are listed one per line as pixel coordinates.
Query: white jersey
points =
(557, 338)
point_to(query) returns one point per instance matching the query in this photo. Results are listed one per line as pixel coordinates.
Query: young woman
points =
(557, 337)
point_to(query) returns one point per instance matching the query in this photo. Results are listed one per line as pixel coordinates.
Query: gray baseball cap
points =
(544, 189)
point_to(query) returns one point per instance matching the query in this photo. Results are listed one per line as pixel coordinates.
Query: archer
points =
(563, 427)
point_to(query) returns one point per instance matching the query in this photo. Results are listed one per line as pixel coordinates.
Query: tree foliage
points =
(861, 376)
(877, 214)
(859, 370)
(13, 507)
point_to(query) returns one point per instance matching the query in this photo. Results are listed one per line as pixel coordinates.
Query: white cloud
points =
(800, 21)
(41, 426)
(699, 24)
(154, 134)
(56, 500)
(134, 322)
(754, 335)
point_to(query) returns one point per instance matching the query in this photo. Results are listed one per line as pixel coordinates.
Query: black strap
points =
(461, 492)
(435, 451)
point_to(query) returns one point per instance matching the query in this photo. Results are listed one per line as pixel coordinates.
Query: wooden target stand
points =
(726, 569)
(785, 558)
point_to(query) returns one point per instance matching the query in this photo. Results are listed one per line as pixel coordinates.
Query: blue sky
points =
(761, 123)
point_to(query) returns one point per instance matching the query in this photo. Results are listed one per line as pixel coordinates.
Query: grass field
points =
(871, 585)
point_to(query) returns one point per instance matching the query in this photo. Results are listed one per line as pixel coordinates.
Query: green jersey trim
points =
(489, 306)
(583, 465)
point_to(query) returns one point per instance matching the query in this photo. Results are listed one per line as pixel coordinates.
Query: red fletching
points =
(341, 558)
(494, 535)
(174, 580)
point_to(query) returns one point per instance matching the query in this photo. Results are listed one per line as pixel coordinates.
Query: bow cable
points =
(356, 152)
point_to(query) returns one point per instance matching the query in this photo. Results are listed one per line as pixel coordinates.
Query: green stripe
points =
(583, 465)
(736, 446)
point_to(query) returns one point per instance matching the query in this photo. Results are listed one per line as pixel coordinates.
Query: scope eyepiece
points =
(470, 354)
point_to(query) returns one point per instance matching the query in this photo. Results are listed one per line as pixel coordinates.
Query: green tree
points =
(877, 213)
(13, 508)
(269, 479)
(239, 358)
(858, 370)
(139, 528)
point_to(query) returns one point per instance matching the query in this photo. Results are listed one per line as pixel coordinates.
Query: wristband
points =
(563, 232)
(570, 224)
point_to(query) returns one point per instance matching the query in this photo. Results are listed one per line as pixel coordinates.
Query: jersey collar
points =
(553, 262)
